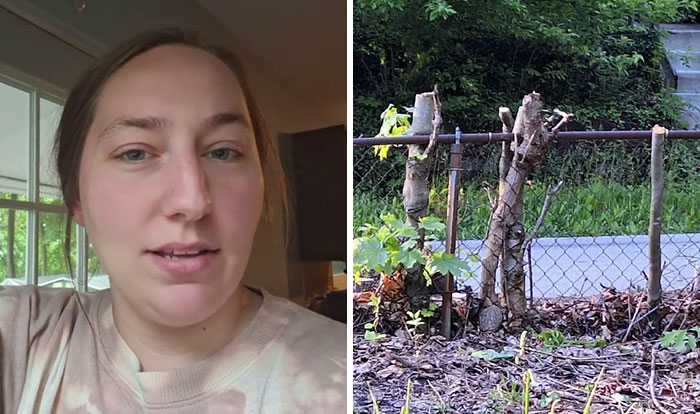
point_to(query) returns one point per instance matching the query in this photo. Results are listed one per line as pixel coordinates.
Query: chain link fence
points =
(594, 234)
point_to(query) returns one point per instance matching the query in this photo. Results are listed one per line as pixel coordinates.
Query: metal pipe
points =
(455, 169)
(489, 137)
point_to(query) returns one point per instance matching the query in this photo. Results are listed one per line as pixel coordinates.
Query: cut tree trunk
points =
(506, 234)
(416, 188)
(512, 253)
(488, 280)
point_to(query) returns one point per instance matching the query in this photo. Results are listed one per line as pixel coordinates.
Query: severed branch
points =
(565, 117)
(506, 118)
(545, 207)
(527, 148)
(437, 122)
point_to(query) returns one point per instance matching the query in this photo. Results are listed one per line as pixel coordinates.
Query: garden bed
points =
(572, 346)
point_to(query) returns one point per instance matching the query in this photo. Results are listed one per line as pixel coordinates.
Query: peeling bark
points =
(506, 234)
(416, 187)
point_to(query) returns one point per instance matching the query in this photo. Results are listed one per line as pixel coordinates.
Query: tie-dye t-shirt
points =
(55, 360)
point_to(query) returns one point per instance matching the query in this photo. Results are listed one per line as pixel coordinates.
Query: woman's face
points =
(171, 187)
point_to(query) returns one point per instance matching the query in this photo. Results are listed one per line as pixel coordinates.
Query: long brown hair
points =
(79, 112)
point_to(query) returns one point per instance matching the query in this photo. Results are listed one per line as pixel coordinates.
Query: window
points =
(32, 214)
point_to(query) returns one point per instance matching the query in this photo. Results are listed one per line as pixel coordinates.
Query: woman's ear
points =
(78, 214)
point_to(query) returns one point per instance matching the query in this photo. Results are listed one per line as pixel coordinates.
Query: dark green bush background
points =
(601, 60)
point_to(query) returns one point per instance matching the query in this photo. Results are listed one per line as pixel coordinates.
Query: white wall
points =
(49, 40)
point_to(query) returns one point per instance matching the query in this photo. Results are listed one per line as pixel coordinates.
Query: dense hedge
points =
(601, 60)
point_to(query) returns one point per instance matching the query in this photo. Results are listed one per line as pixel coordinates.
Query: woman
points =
(163, 158)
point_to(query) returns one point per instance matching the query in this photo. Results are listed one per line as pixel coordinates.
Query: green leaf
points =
(552, 339)
(369, 325)
(445, 263)
(428, 278)
(431, 223)
(408, 258)
(409, 244)
(429, 311)
(370, 253)
(676, 339)
(492, 355)
(415, 322)
(382, 151)
(406, 230)
(383, 234)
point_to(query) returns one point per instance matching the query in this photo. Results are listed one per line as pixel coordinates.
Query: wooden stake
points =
(655, 221)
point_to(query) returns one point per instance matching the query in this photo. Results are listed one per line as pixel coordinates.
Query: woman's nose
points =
(188, 196)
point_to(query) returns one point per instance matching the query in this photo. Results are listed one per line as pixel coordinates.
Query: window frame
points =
(39, 89)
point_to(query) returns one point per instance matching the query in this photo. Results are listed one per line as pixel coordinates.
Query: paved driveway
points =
(580, 265)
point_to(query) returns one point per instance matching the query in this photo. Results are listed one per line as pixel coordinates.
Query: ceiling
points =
(302, 42)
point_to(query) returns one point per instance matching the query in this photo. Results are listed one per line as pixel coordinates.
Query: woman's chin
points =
(188, 304)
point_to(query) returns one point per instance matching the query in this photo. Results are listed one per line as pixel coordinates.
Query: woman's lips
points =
(181, 265)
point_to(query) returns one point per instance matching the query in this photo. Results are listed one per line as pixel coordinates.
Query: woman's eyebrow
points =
(149, 123)
(223, 118)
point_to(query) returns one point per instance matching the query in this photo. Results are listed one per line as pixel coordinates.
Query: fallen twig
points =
(589, 401)
(633, 321)
(652, 376)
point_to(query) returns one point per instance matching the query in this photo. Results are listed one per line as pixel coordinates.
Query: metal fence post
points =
(451, 233)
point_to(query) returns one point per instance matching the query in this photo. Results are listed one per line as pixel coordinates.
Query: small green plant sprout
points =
(375, 406)
(527, 375)
(415, 322)
(554, 339)
(548, 400)
(511, 396)
(523, 336)
(681, 339)
(440, 405)
(393, 245)
(406, 409)
(592, 390)
(371, 327)
(429, 311)
(492, 355)
(393, 124)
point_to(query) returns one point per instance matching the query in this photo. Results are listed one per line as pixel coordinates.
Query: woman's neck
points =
(163, 348)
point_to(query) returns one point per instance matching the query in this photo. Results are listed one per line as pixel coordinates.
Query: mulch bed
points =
(632, 374)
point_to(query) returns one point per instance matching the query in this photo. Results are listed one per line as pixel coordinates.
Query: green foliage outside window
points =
(51, 257)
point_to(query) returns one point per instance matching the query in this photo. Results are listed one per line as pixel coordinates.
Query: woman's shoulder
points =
(41, 304)
(306, 333)
(301, 321)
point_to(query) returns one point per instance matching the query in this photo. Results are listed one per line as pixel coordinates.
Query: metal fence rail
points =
(576, 252)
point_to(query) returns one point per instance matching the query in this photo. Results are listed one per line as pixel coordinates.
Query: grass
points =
(593, 209)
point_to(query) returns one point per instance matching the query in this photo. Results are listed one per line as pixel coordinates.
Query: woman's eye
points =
(223, 154)
(134, 155)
